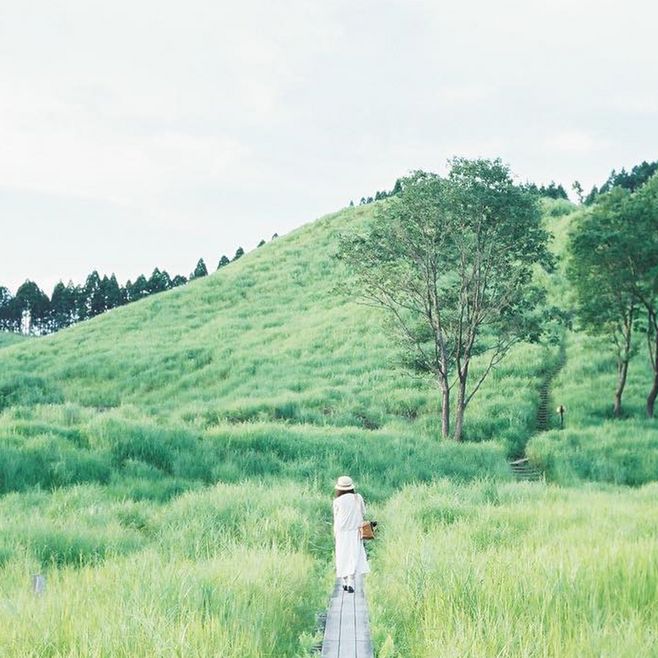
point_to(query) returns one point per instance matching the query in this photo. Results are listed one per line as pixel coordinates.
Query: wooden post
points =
(561, 409)
(38, 584)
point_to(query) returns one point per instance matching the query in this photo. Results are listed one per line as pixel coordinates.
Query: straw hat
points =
(344, 483)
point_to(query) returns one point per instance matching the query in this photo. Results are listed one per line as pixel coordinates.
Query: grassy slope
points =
(594, 446)
(264, 383)
(267, 338)
(8, 338)
(260, 375)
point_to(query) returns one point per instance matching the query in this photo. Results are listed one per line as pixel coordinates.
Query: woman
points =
(349, 510)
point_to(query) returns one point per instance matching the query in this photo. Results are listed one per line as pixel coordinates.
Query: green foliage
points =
(515, 570)
(593, 446)
(451, 263)
(630, 181)
(620, 453)
(170, 471)
(8, 338)
(47, 462)
(28, 390)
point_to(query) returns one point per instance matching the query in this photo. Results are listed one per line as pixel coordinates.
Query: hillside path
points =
(347, 632)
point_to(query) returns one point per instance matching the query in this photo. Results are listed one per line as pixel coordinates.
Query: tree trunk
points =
(459, 411)
(622, 372)
(651, 400)
(445, 410)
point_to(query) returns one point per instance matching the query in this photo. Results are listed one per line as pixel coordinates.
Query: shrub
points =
(618, 452)
(27, 390)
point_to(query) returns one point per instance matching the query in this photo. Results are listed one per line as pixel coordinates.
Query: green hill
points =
(8, 338)
(169, 465)
(267, 341)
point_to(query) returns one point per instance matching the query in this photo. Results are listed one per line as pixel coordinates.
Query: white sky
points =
(141, 133)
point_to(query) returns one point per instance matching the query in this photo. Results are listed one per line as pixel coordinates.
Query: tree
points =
(178, 280)
(159, 281)
(62, 308)
(553, 191)
(578, 189)
(450, 260)
(139, 289)
(223, 262)
(643, 231)
(600, 246)
(239, 253)
(631, 181)
(31, 302)
(261, 243)
(7, 319)
(200, 270)
(112, 294)
(94, 297)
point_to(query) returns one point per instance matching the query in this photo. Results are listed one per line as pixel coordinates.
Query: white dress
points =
(349, 510)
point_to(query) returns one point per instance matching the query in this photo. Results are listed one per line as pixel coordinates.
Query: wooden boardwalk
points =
(347, 632)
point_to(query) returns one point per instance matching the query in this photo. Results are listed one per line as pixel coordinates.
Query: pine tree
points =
(111, 292)
(200, 270)
(6, 322)
(157, 282)
(31, 300)
(94, 298)
(139, 289)
(59, 316)
(223, 262)
(239, 253)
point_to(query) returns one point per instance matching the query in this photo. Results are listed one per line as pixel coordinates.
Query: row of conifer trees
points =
(32, 311)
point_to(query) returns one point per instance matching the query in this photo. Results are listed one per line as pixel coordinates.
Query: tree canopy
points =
(450, 260)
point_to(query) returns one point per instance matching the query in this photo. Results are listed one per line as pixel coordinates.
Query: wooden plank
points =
(347, 631)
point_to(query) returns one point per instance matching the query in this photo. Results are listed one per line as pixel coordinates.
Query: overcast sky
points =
(136, 133)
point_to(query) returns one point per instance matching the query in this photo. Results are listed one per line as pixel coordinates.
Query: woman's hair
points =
(340, 493)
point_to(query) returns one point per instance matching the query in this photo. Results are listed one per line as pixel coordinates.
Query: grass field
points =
(8, 338)
(517, 570)
(169, 467)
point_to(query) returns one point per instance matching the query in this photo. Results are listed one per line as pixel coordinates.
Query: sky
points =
(143, 133)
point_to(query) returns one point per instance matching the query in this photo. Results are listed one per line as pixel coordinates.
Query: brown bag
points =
(367, 530)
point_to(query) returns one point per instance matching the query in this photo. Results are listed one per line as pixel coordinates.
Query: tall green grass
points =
(8, 338)
(594, 445)
(235, 571)
(169, 467)
(143, 455)
(511, 570)
(268, 338)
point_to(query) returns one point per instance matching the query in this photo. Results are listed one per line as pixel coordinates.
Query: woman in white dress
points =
(349, 510)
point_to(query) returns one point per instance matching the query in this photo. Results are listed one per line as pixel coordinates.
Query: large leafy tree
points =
(643, 230)
(451, 261)
(602, 249)
(614, 270)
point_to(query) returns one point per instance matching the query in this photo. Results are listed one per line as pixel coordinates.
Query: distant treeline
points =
(628, 180)
(30, 310)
